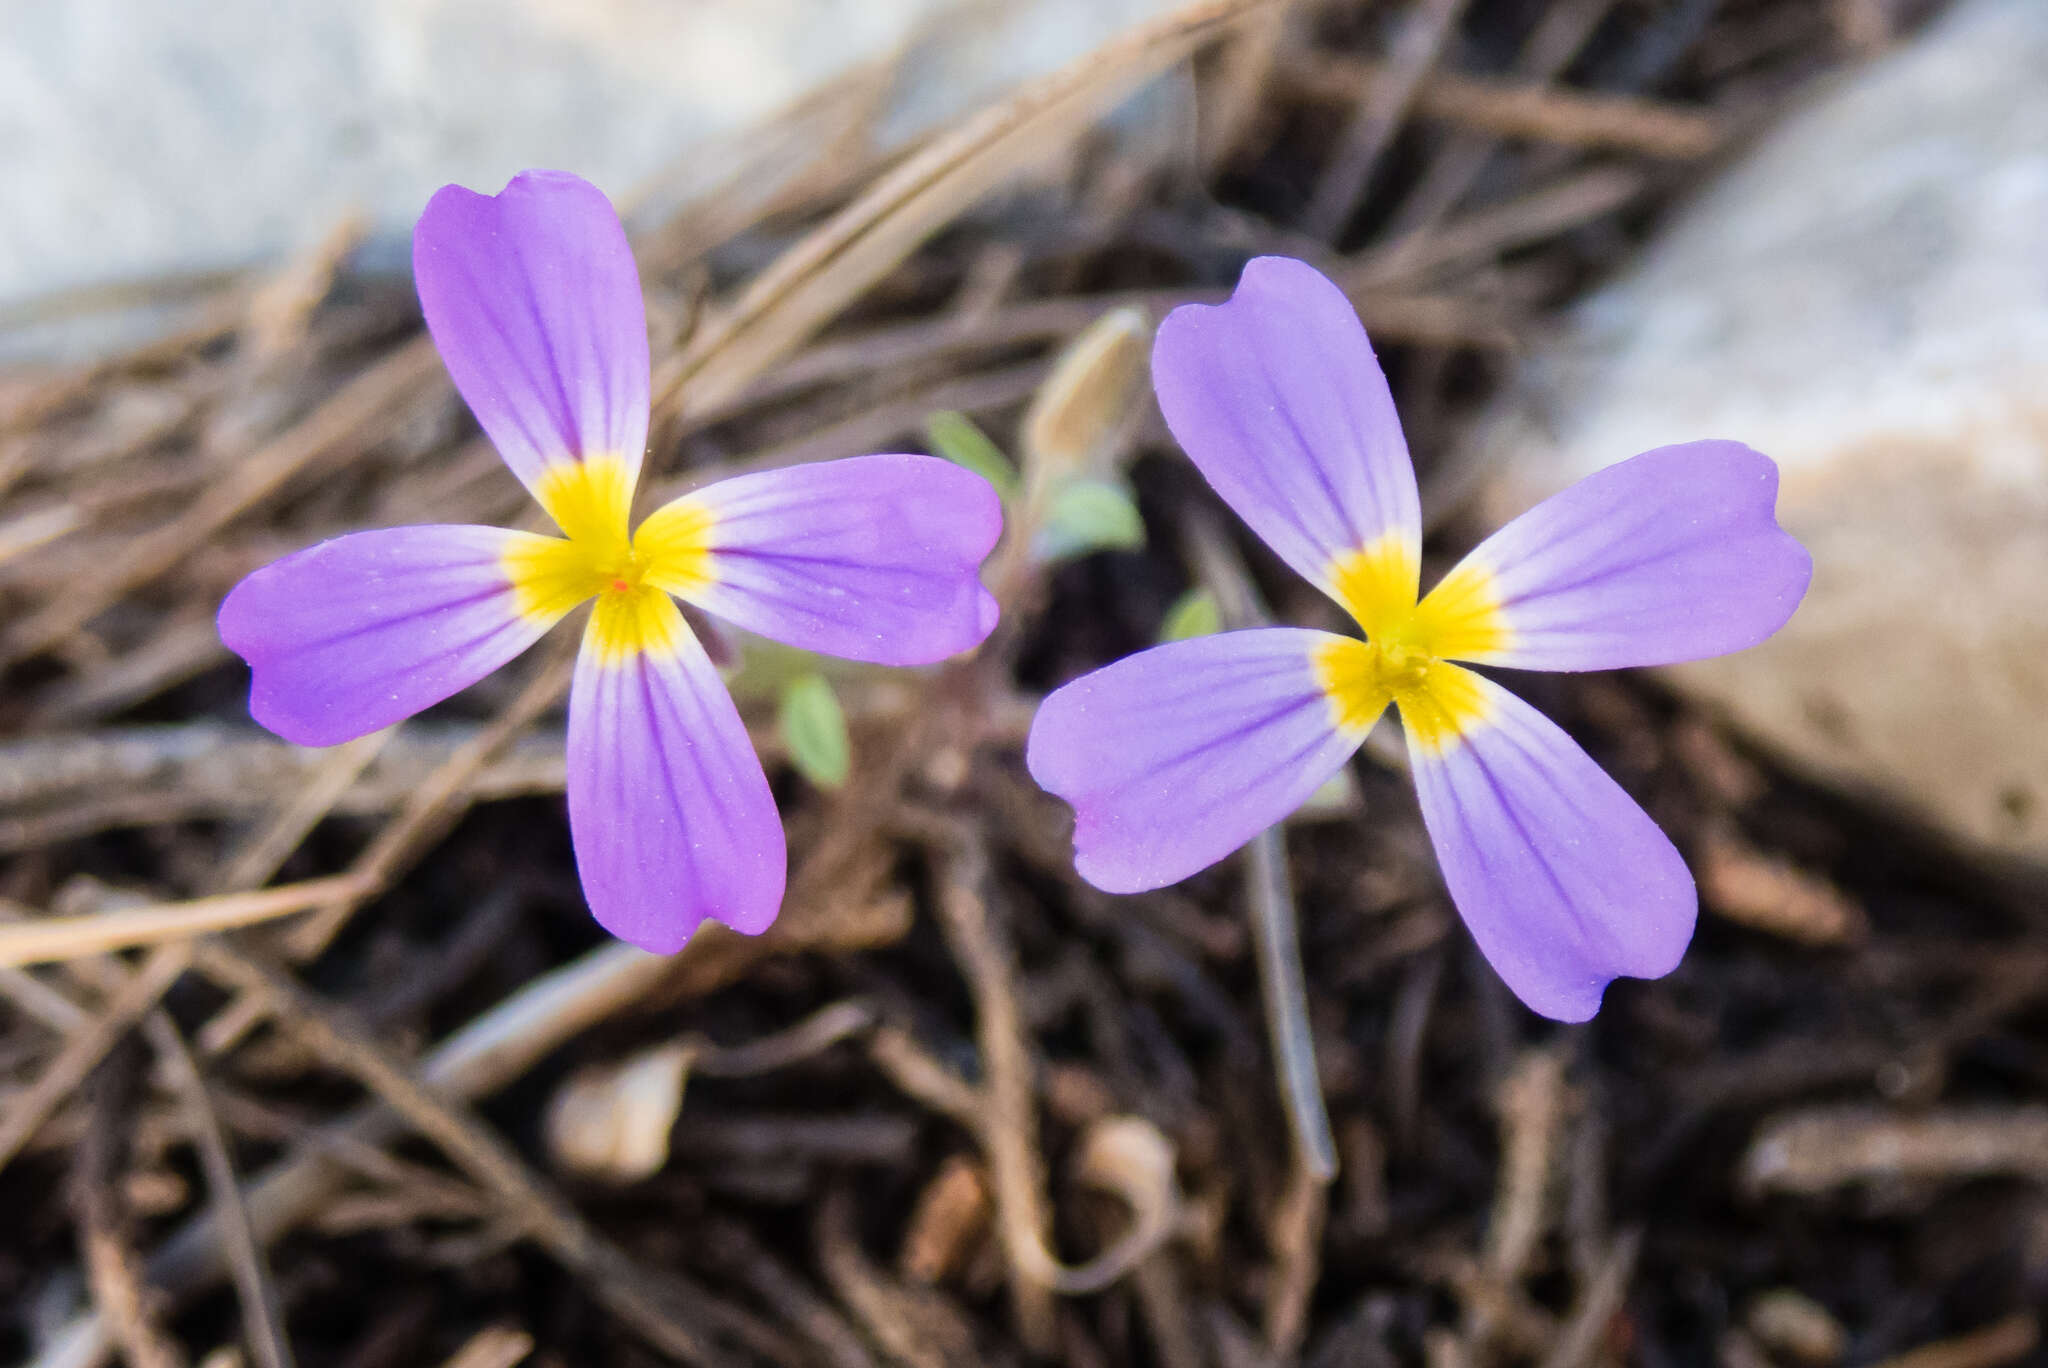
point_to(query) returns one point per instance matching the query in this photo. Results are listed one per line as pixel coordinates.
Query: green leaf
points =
(1090, 515)
(814, 728)
(767, 667)
(955, 437)
(1194, 614)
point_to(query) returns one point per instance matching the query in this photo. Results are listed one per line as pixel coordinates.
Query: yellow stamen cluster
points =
(1406, 656)
(630, 574)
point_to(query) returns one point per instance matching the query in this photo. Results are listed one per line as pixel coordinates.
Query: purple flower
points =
(534, 302)
(1178, 755)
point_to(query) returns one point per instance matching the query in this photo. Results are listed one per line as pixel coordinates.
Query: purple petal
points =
(534, 301)
(668, 808)
(1672, 555)
(873, 558)
(1176, 756)
(1564, 881)
(1277, 398)
(365, 630)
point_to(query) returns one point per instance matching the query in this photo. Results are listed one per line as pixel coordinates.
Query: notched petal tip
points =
(1733, 489)
(1176, 756)
(1673, 555)
(273, 709)
(1565, 883)
(1275, 285)
(1793, 561)
(1561, 998)
(874, 558)
(533, 184)
(1575, 992)
(1287, 283)
(362, 631)
(1277, 398)
(1569, 1004)
(273, 704)
(982, 504)
(1112, 851)
(534, 302)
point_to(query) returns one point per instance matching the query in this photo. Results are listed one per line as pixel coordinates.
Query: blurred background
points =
(315, 1057)
(149, 147)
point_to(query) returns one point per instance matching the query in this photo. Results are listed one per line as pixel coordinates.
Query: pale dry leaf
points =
(1078, 415)
(1771, 894)
(1794, 1325)
(1817, 1149)
(1132, 1158)
(498, 1346)
(612, 1121)
(950, 1218)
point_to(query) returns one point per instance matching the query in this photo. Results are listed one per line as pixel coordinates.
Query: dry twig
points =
(262, 1314)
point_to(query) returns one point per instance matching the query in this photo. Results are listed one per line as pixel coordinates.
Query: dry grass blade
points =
(64, 938)
(483, 1057)
(1242, 86)
(1570, 118)
(40, 1002)
(1379, 117)
(811, 150)
(1009, 1128)
(378, 392)
(913, 1327)
(479, 1059)
(658, 1309)
(500, 1346)
(1560, 36)
(911, 1068)
(1998, 1343)
(1758, 890)
(183, 646)
(1579, 1343)
(85, 1047)
(1579, 199)
(259, 858)
(110, 1263)
(815, 280)
(1296, 1236)
(70, 784)
(1534, 1104)
(19, 536)
(815, 1034)
(262, 1315)
(833, 1341)
(435, 803)
(1817, 1148)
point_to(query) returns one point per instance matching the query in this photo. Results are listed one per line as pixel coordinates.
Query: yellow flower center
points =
(1406, 656)
(630, 574)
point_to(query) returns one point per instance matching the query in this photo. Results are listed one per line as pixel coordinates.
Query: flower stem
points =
(1282, 984)
(1285, 990)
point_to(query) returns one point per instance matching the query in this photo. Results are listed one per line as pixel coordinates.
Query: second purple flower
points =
(1176, 756)
(533, 298)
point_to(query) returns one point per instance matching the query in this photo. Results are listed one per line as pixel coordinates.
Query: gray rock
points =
(1863, 296)
(139, 139)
